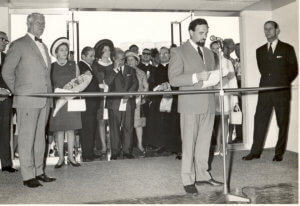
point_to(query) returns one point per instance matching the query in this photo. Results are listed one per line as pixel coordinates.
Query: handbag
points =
(76, 105)
(236, 117)
(166, 104)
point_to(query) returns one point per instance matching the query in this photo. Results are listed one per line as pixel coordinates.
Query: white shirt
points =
(41, 48)
(146, 64)
(164, 64)
(195, 46)
(119, 69)
(274, 44)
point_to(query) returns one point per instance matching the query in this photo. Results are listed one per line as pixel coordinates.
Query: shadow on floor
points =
(270, 194)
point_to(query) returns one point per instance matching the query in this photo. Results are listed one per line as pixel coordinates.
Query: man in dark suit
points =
(277, 64)
(5, 114)
(121, 109)
(89, 117)
(148, 68)
(26, 70)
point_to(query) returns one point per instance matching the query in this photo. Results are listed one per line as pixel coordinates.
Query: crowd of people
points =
(151, 123)
(113, 124)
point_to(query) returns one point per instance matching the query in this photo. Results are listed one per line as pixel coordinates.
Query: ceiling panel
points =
(171, 5)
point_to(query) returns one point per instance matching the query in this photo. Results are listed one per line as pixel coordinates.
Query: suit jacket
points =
(94, 85)
(92, 103)
(280, 70)
(2, 82)
(117, 82)
(184, 62)
(25, 71)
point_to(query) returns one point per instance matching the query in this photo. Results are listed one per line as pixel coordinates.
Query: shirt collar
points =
(195, 45)
(87, 64)
(146, 64)
(31, 36)
(274, 44)
(164, 64)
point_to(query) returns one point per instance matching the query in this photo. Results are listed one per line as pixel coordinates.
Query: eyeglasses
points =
(5, 41)
(144, 53)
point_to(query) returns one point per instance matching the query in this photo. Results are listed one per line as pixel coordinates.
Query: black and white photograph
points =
(149, 102)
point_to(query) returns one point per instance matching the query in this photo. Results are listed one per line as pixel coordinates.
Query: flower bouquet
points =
(77, 85)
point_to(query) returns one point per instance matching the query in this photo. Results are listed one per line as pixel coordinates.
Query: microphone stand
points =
(226, 197)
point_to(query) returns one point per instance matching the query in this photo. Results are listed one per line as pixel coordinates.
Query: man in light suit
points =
(277, 64)
(189, 70)
(121, 79)
(27, 70)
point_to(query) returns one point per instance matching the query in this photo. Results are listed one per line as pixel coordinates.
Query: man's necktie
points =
(120, 71)
(270, 52)
(200, 52)
(38, 39)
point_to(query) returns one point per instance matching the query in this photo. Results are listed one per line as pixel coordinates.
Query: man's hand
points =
(3, 92)
(203, 76)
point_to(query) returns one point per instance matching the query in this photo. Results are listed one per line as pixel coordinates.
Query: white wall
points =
(252, 36)
(288, 19)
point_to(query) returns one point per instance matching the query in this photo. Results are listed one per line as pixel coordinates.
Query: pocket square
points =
(278, 57)
(128, 75)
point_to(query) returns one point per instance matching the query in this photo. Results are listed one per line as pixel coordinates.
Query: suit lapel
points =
(36, 49)
(194, 54)
(48, 57)
(278, 46)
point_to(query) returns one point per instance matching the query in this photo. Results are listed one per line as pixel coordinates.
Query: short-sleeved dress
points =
(64, 120)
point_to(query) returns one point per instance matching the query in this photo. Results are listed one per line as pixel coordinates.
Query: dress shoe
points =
(237, 140)
(178, 156)
(32, 183)
(160, 150)
(74, 164)
(114, 157)
(87, 160)
(211, 182)
(190, 189)
(277, 158)
(45, 178)
(128, 156)
(251, 157)
(9, 169)
(95, 156)
(59, 165)
(142, 153)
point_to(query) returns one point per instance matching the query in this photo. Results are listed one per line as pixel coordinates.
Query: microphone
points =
(214, 38)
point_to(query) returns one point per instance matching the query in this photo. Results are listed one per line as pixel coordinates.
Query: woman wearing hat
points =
(103, 62)
(64, 123)
(133, 60)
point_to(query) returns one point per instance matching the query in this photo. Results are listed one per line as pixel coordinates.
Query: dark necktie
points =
(38, 39)
(120, 71)
(270, 52)
(200, 52)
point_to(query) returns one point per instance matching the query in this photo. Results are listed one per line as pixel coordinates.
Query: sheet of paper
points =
(105, 114)
(213, 79)
(138, 100)
(123, 104)
(76, 105)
